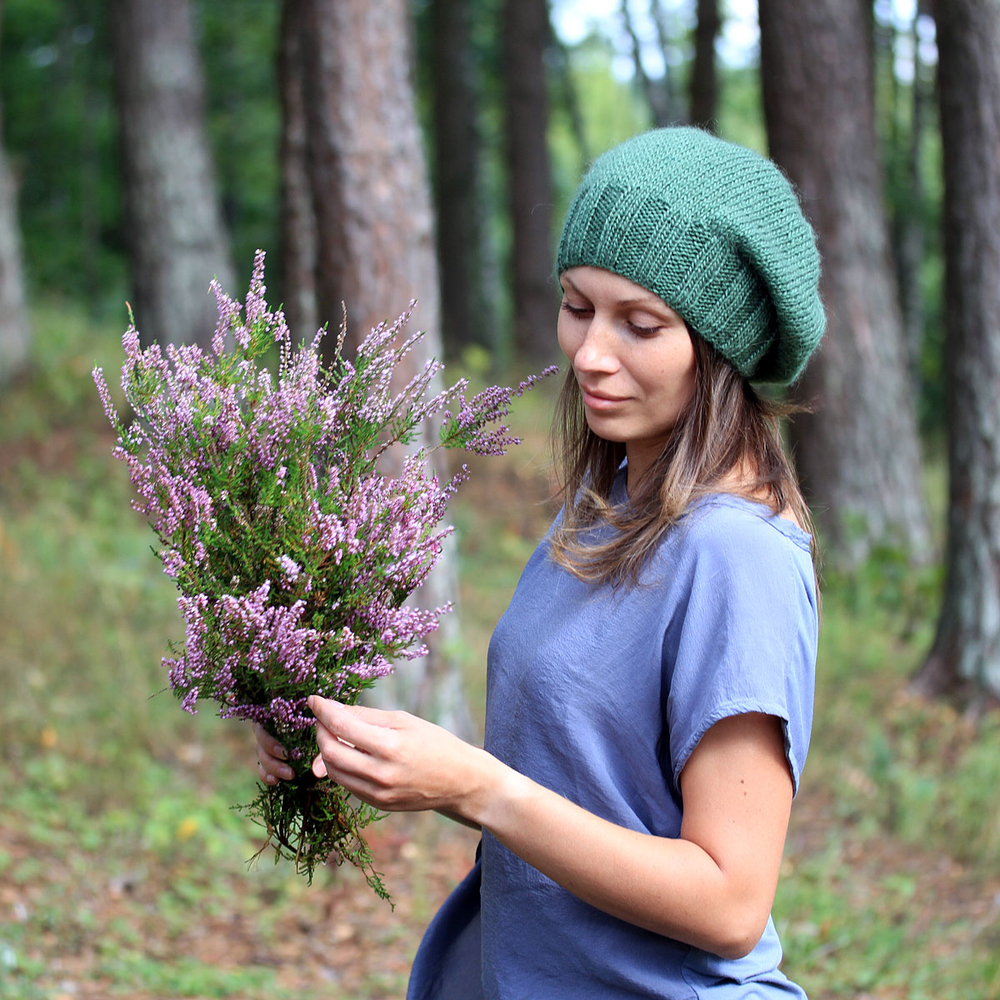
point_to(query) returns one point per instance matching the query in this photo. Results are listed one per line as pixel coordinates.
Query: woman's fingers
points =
(361, 727)
(271, 757)
(389, 759)
(393, 760)
(267, 743)
(342, 759)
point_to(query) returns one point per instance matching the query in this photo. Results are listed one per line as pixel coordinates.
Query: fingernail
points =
(287, 773)
(280, 752)
(270, 779)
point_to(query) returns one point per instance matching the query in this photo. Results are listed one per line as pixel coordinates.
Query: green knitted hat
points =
(717, 232)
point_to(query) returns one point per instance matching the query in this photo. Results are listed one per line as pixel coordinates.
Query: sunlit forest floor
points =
(122, 867)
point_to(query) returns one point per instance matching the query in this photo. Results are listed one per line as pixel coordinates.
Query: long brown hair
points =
(727, 440)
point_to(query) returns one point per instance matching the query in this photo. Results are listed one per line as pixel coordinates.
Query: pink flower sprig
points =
(258, 468)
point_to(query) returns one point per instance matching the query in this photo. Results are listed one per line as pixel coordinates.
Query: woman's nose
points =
(596, 352)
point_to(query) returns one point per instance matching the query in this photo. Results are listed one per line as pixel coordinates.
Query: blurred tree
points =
(965, 657)
(569, 98)
(858, 453)
(909, 239)
(703, 86)
(14, 330)
(525, 34)
(243, 110)
(375, 243)
(904, 87)
(297, 226)
(458, 194)
(666, 105)
(175, 235)
(659, 92)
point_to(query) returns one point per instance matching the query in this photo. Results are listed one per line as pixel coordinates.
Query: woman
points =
(650, 687)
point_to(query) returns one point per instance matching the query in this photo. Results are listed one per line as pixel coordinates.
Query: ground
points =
(337, 940)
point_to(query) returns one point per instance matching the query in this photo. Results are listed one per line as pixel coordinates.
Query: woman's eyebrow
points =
(650, 299)
(644, 300)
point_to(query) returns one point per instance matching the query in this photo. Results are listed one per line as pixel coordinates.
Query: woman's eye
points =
(576, 311)
(644, 331)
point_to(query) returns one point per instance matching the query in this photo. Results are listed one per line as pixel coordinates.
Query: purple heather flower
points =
(290, 567)
(248, 476)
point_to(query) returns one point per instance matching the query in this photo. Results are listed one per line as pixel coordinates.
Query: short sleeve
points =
(744, 640)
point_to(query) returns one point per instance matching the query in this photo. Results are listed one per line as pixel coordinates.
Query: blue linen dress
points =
(602, 695)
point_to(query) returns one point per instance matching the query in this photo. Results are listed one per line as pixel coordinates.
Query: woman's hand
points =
(397, 762)
(271, 757)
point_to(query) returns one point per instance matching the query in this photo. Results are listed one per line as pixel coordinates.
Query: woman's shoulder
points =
(729, 537)
(729, 519)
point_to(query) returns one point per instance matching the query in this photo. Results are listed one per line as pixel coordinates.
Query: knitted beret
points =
(716, 231)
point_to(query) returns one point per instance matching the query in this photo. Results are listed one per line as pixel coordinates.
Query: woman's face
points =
(633, 360)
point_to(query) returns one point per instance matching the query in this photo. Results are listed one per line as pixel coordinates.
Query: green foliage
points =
(741, 116)
(850, 931)
(610, 110)
(901, 764)
(60, 134)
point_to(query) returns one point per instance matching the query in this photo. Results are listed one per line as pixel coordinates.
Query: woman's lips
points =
(600, 400)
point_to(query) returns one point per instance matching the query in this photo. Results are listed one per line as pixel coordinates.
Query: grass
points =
(122, 866)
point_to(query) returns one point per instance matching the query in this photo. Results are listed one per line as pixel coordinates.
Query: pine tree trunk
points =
(298, 221)
(465, 319)
(375, 248)
(14, 329)
(176, 237)
(858, 453)
(368, 175)
(525, 35)
(965, 658)
(704, 84)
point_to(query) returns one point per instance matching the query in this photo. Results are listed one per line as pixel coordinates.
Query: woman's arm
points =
(712, 887)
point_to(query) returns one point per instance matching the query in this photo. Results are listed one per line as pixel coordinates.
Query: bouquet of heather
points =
(293, 549)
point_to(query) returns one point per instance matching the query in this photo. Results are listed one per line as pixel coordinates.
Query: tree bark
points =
(704, 84)
(858, 453)
(175, 233)
(375, 247)
(298, 221)
(525, 32)
(965, 657)
(465, 318)
(14, 328)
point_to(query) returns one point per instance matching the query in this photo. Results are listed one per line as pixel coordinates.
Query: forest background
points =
(121, 864)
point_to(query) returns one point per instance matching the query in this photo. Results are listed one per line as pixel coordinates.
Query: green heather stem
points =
(311, 822)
